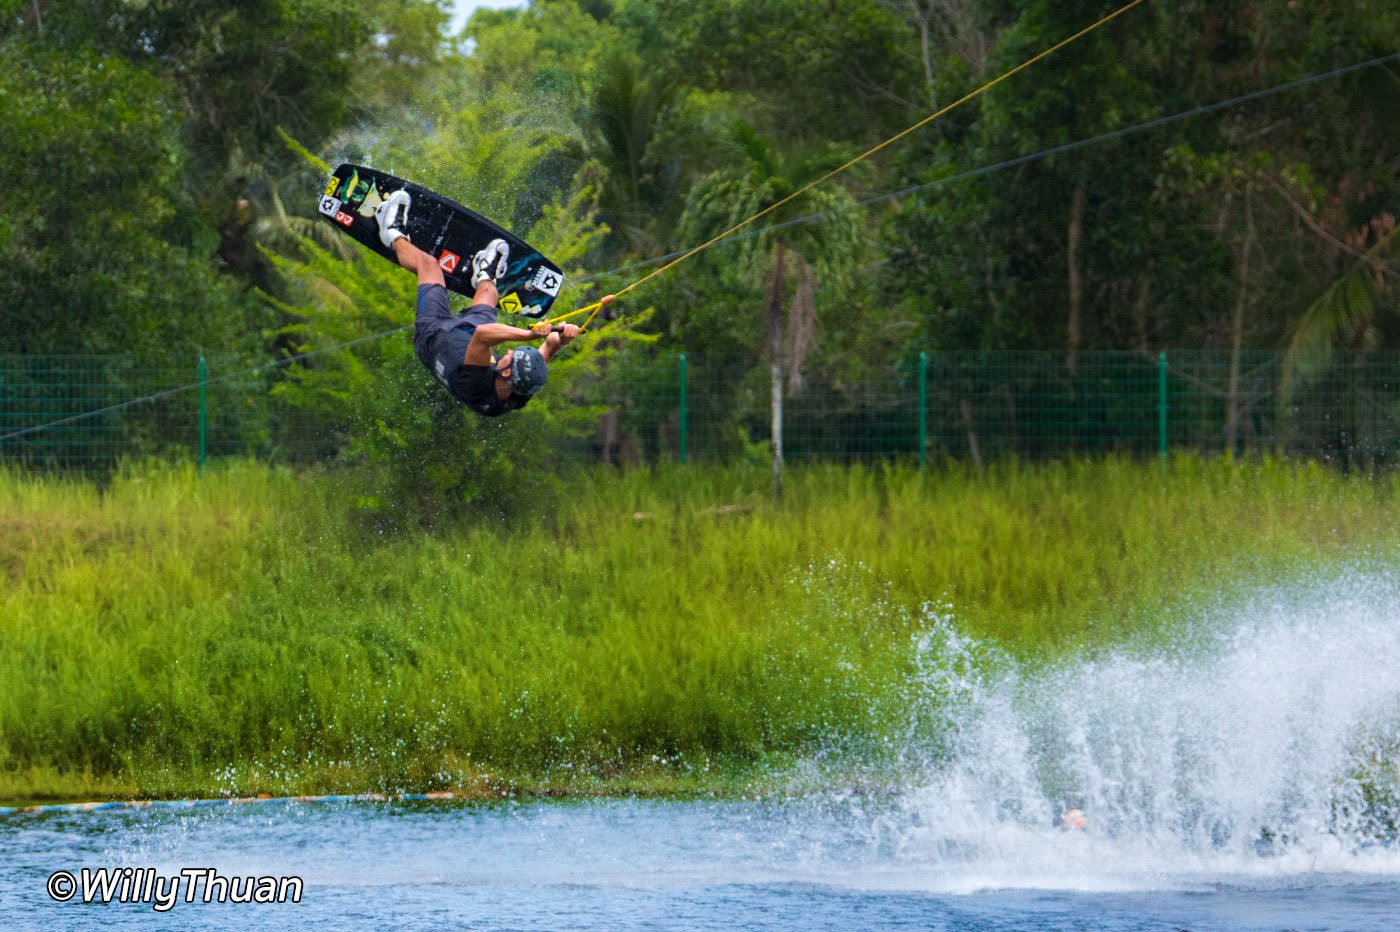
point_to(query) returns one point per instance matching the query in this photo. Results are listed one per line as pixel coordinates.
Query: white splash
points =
(1267, 751)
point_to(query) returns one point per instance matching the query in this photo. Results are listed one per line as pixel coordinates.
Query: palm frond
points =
(1344, 311)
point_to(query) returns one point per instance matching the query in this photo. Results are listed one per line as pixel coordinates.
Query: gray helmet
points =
(528, 371)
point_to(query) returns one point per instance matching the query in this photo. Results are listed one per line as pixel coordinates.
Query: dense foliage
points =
(161, 196)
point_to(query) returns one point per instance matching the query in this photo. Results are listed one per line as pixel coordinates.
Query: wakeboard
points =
(450, 233)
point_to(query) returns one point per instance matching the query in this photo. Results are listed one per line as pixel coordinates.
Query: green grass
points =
(665, 631)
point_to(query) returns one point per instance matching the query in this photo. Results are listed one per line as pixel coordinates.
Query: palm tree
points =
(1345, 314)
(810, 241)
(637, 129)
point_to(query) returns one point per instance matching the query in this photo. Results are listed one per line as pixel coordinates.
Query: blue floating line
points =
(50, 808)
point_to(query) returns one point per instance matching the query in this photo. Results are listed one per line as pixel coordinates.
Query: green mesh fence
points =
(981, 406)
(90, 412)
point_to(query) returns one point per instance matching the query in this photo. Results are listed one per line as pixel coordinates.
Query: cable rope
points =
(1154, 123)
(598, 306)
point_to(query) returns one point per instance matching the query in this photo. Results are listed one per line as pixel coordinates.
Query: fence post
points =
(681, 439)
(203, 412)
(923, 409)
(1162, 406)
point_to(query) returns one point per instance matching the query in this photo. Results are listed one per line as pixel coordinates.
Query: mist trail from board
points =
(1267, 742)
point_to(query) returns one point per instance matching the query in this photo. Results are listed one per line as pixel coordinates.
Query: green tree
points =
(1089, 249)
(1353, 310)
(1244, 201)
(236, 73)
(785, 268)
(837, 71)
(103, 249)
(1015, 260)
(535, 65)
(791, 264)
(641, 127)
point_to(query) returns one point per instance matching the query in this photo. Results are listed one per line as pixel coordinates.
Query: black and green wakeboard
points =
(444, 229)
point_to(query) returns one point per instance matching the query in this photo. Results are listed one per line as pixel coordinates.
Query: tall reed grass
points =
(661, 630)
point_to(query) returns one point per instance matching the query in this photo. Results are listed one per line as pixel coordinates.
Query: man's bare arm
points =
(489, 335)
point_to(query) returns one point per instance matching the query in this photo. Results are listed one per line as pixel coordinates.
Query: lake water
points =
(1249, 778)
(655, 865)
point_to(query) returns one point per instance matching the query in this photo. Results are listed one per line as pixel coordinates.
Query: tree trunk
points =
(609, 432)
(1074, 326)
(926, 49)
(775, 357)
(974, 448)
(1140, 309)
(1232, 399)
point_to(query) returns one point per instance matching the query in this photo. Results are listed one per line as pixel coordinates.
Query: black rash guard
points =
(440, 340)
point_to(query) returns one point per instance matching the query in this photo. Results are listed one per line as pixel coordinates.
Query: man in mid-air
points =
(458, 349)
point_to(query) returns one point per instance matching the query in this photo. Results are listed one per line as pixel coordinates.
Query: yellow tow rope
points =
(593, 309)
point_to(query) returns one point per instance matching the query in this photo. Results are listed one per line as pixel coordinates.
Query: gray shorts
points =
(440, 337)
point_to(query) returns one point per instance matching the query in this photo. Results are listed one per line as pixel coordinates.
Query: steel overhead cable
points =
(145, 399)
(971, 95)
(1029, 157)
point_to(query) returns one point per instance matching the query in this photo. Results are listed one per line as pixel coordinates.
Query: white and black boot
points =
(490, 262)
(392, 216)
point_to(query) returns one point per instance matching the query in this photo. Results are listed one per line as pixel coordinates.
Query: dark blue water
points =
(652, 865)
